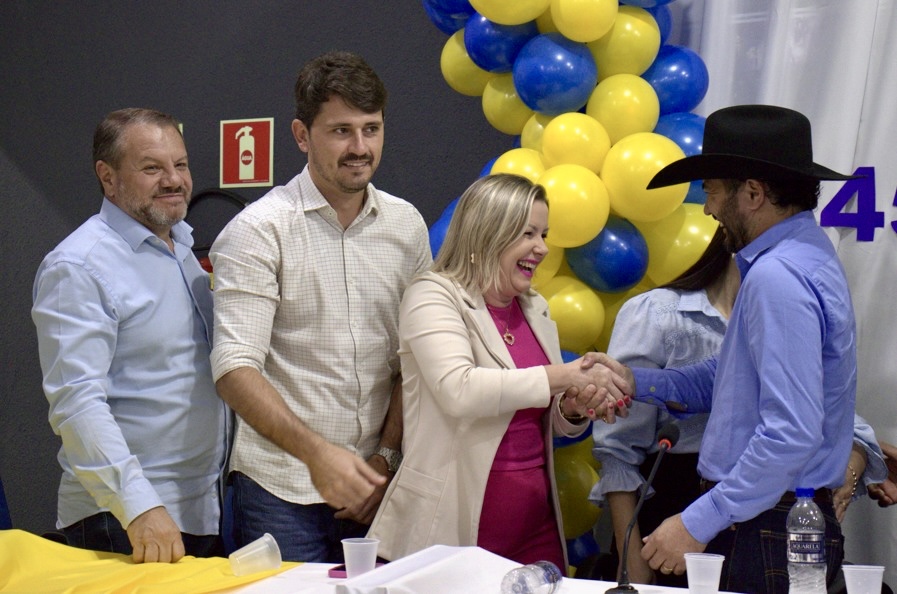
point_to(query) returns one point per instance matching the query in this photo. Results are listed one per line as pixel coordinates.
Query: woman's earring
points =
(471, 258)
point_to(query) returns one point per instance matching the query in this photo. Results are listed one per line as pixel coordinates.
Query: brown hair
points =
(337, 73)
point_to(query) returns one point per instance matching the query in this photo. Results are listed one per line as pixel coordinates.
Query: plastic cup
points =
(360, 555)
(703, 571)
(262, 554)
(863, 579)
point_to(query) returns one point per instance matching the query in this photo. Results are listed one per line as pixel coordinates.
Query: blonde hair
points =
(490, 215)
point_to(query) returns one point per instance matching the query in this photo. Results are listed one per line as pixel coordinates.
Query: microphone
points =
(666, 438)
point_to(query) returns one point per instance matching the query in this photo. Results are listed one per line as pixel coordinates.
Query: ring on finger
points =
(665, 569)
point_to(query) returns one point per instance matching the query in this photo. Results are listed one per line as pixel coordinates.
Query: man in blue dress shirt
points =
(123, 312)
(784, 384)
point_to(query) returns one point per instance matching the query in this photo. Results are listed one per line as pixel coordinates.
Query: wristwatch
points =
(393, 458)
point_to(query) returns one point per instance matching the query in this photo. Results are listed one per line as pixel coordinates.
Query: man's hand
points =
(886, 493)
(344, 480)
(591, 358)
(365, 514)
(665, 548)
(155, 537)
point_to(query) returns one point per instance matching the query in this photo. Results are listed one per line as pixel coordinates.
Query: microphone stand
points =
(624, 587)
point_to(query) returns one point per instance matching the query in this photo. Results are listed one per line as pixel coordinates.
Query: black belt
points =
(820, 496)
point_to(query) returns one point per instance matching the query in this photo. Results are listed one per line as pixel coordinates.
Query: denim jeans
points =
(103, 532)
(307, 533)
(756, 552)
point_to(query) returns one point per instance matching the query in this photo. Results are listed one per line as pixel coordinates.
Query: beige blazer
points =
(460, 390)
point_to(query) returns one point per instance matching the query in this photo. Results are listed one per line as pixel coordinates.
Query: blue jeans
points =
(756, 552)
(307, 533)
(103, 532)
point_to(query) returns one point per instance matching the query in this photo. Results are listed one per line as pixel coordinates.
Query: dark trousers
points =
(676, 486)
(308, 533)
(103, 532)
(756, 551)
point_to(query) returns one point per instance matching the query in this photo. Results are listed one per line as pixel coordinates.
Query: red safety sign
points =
(247, 153)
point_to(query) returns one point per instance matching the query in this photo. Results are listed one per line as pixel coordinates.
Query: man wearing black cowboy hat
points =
(784, 384)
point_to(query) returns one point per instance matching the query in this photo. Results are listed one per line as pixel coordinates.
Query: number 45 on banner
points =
(866, 219)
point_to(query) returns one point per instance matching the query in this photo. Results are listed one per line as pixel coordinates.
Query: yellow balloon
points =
(629, 166)
(458, 69)
(531, 136)
(624, 104)
(583, 20)
(631, 45)
(578, 204)
(520, 161)
(545, 24)
(548, 267)
(677, 241)
(577, 311)
(575, 480)
(510, 12)
(502, 106)
(575, 138)
(580, 451)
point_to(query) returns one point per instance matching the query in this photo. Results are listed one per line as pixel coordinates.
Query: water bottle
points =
(541, 577)
(806, 546)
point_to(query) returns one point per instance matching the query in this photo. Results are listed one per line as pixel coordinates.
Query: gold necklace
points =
(506, 335)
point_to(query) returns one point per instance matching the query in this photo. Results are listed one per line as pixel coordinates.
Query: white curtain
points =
(836, 62)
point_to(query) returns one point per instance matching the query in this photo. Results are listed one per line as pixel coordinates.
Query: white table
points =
(437, 570)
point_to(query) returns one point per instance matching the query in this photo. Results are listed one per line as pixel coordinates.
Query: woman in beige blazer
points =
(478, 425)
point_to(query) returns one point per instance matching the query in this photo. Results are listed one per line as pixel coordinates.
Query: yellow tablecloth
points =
(34, 565)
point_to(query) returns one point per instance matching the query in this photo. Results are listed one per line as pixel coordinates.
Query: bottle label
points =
(806, 548)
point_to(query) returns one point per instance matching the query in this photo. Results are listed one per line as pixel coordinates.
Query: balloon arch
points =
(597, 101)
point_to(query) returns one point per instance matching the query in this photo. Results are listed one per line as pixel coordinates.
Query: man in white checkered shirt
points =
(308, 281)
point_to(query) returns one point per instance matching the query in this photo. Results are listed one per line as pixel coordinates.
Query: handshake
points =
(598, 387)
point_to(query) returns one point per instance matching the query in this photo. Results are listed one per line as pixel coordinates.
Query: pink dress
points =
(517, 520)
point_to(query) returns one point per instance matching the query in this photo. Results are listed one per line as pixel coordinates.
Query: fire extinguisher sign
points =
(247, 153)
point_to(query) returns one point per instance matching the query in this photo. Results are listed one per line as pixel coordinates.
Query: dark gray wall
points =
(64, 65)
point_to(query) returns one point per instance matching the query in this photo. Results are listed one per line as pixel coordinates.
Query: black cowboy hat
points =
(751, 141)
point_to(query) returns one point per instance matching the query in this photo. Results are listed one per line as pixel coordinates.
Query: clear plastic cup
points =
(703, 571)
(360, 555)
(863, 579)
(262, 554)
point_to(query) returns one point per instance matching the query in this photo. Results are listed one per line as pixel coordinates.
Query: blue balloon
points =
(561, 441)
(438, 229)
(679, 77)
(581, 548)
(448, 17)
(494, 47)
(613, 262)
(664, 17)
(453, 5)
(554, 75)
(487, 168)
(645, 3)
(569, 356)
(685, 129)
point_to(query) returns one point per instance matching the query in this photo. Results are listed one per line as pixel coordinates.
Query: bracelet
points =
(577, 418)
(853, 474)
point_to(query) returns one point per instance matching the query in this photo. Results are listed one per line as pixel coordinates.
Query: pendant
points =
(508, 337)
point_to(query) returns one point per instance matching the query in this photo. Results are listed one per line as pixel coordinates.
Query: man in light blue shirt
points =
(123, 312)
(784, 384)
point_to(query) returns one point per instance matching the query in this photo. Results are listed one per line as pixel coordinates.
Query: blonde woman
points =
(485, 388)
